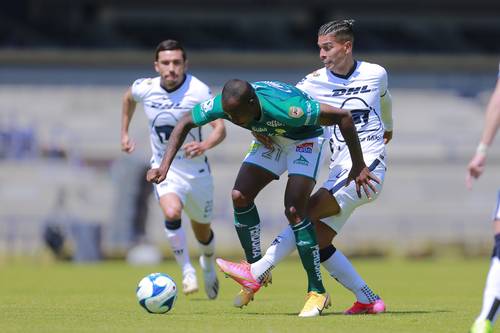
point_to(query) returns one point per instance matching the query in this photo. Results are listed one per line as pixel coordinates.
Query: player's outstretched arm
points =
(175, 141)
(492, 122)
(128, 109)
(195, 148)
(361, 175)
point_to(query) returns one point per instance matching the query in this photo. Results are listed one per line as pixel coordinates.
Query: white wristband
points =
(482, 149)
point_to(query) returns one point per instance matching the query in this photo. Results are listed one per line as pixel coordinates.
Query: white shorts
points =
(298, 157)
(347, 197)
(496, 213)
(196, 194)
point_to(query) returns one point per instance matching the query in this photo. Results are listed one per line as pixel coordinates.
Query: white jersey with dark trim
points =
(163, 110)
(360, 92)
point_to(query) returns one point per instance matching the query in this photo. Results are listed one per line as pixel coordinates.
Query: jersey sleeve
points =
(383, 85)
(204, 92)
(305, 85)
(140, 88)
(208, 111)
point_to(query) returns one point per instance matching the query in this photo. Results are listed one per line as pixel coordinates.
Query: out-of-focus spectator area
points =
(388, 25)
(64, 67)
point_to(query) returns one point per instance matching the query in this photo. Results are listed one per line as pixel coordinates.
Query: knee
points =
(173, 213)
(239, 199)
(293, 215)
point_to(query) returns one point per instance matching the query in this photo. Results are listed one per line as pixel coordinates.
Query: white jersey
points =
(163, 110)
(359, 91)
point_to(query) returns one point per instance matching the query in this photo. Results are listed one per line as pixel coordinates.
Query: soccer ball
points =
(157, 293)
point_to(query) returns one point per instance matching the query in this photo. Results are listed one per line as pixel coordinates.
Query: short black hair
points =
(240, 90)
(169, 45)
(341, 29)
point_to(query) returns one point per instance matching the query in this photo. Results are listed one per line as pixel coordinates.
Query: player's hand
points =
(156, 175)
(387, 137)
(363, 178)
(127, 144)
(475, 169)
(264, 139)
(193, 149)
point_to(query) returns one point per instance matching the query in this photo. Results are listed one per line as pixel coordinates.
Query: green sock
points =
(247, 224)
(308, 248)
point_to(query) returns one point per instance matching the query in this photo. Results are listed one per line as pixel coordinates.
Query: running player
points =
(347, 83)
(189, 186)
(491, 297)
(293, 119)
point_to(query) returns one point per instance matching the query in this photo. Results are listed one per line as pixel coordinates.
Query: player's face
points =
(171, 67)
(241, 115)
(333, 53)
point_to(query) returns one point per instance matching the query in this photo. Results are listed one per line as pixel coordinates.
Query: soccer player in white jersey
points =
(361, 87)
(189, 186)
(491, 297)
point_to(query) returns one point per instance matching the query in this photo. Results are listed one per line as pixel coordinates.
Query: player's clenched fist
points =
(155, 176)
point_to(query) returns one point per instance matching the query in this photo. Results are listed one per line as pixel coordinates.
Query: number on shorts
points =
(276, 151)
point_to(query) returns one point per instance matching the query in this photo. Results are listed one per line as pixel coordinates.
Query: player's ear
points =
(157, 69)
(348, 46)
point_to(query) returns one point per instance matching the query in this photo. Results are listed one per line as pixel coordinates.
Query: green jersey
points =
(285, 111)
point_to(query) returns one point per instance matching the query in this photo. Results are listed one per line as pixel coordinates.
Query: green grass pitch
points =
(438, 295)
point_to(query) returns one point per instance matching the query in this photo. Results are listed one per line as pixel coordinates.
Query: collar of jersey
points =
(345, 77)
(176, 88)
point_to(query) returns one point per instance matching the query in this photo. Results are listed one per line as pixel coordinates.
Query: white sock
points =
(207, 250)
(491, 292)
(177, 240)
(281, 247)
(343, 271)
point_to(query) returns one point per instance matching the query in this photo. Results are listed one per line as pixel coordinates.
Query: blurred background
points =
(64, 66)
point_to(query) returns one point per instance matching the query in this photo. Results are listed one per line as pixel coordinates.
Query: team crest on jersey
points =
(295, 112)
(306, 147)
(207, 105)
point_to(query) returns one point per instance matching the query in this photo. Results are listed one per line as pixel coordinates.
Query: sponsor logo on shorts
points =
(301, 160)
(295, 111)
(306, 147)
(253, 148)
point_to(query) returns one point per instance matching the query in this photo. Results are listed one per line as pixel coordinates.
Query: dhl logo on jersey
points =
(350, 91)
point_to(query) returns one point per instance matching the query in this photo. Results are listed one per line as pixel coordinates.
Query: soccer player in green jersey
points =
(294, 120)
